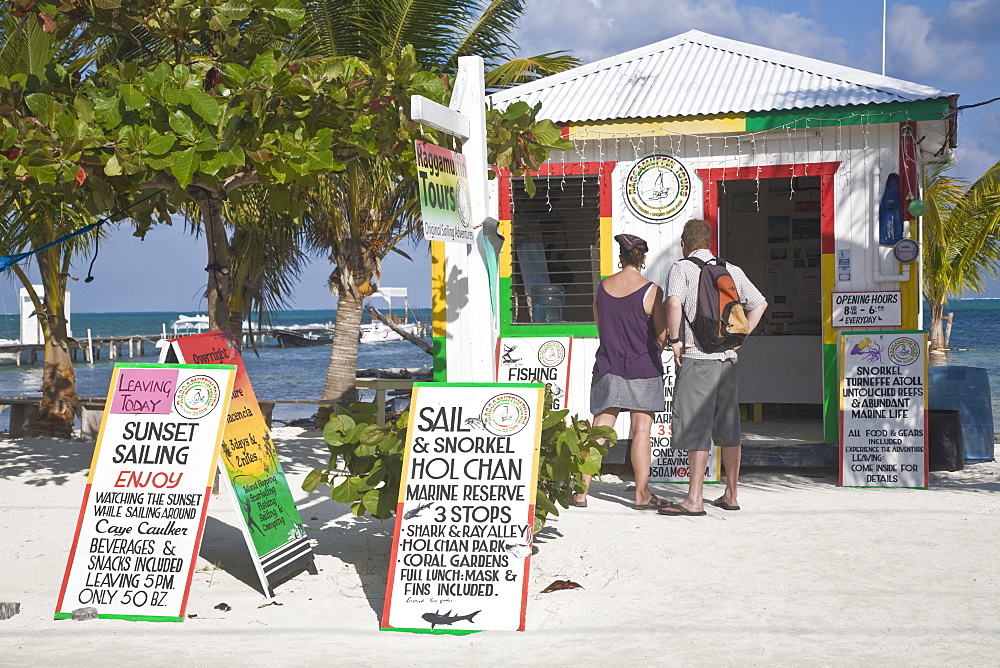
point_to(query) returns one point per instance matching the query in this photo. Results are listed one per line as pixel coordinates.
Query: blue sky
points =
(953, 46)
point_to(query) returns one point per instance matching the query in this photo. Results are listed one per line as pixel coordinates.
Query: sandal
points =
(654, 503)
(577, 504)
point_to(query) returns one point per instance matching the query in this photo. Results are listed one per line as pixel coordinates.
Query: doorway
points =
(776, 224)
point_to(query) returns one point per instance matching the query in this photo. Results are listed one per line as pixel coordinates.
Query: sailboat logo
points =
(657, 188)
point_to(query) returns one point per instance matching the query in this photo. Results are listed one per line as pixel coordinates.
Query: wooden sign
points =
(444, 194)
(144, 507)
(464, 521)
(883, 409)
(272, 527)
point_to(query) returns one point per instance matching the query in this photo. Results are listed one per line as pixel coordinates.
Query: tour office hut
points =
(805, 170)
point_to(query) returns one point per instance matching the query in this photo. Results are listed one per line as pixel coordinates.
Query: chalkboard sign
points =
(463, 539)
(144, 506)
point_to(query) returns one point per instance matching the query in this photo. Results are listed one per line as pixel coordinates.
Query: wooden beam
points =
(439, 117)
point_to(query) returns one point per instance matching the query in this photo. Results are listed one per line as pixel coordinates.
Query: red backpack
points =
(720, 322)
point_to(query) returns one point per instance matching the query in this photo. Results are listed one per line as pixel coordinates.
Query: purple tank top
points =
(628, 340)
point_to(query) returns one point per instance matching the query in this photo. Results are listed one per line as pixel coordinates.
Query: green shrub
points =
(366, 461)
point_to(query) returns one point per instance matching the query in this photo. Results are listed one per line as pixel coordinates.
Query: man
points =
(704, 405)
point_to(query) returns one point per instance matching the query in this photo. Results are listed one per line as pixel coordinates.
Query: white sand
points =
(806, 573)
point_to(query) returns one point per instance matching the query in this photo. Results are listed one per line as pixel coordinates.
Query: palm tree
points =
(961, 238)
(373, 207)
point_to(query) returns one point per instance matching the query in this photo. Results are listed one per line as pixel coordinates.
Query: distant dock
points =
(92, 348)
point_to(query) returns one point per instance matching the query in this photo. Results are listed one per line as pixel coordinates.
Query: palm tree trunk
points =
(341, 374)
(937, 324)
(219, 263)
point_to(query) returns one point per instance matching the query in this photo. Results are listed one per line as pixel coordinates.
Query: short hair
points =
(633, 258)
(697, 234)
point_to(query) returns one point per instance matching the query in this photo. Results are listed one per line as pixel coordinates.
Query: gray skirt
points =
(635, 394)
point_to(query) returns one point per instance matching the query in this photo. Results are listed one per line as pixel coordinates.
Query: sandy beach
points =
(806, 573)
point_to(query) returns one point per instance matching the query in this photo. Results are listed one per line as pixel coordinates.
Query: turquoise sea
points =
(298, 373)
(276, 373)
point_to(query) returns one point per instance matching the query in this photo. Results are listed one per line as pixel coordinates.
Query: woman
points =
(628, 374)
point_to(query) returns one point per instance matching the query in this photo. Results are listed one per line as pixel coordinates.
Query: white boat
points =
(379, 332)
(186, 325)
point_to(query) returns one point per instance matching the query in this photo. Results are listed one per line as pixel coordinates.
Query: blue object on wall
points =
(890, 213)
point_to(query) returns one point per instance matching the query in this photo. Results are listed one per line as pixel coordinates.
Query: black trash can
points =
(946, 449)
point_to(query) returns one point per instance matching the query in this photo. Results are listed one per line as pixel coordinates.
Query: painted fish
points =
(410, 514)
(447, 619)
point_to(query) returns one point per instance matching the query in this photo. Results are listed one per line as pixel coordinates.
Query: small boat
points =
(186, 325)
(301, 338)
(379, 332)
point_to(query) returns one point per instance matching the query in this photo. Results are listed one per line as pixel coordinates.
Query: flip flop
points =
(673, 510)
(719, 503)
(654, 503)
(577, 504)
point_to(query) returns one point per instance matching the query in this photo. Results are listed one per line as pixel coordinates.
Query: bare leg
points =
(605, 419)
(641, 454)
(697, 461)
(731, 458)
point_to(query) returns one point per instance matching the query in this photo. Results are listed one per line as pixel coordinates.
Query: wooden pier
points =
(92, 348)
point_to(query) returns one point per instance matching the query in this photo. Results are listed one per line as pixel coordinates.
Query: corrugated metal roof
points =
(696, 74)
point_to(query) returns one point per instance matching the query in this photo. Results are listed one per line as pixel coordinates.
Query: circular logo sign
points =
(904, 350)
(196, 396)
(657, 188)
(551, 353)
(506, 414)
(463, 202)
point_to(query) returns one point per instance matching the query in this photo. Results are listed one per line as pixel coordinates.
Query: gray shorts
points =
(634, 394)
(705, 406)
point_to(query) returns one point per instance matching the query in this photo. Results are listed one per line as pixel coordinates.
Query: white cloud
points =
(601, 28)
(948, 46)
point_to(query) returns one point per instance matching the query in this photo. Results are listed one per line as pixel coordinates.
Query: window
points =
(555, 250)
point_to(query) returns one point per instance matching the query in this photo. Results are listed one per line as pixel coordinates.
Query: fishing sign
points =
(537, 360)
(462, 543)
(883, 409)
(146, 498)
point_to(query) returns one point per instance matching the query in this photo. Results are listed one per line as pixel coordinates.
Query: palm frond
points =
(523, 70)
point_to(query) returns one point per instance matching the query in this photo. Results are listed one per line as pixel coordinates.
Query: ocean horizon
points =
(275, 373)
(299, 373)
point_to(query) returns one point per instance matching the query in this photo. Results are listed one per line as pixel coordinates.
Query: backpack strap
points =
(701, 265)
